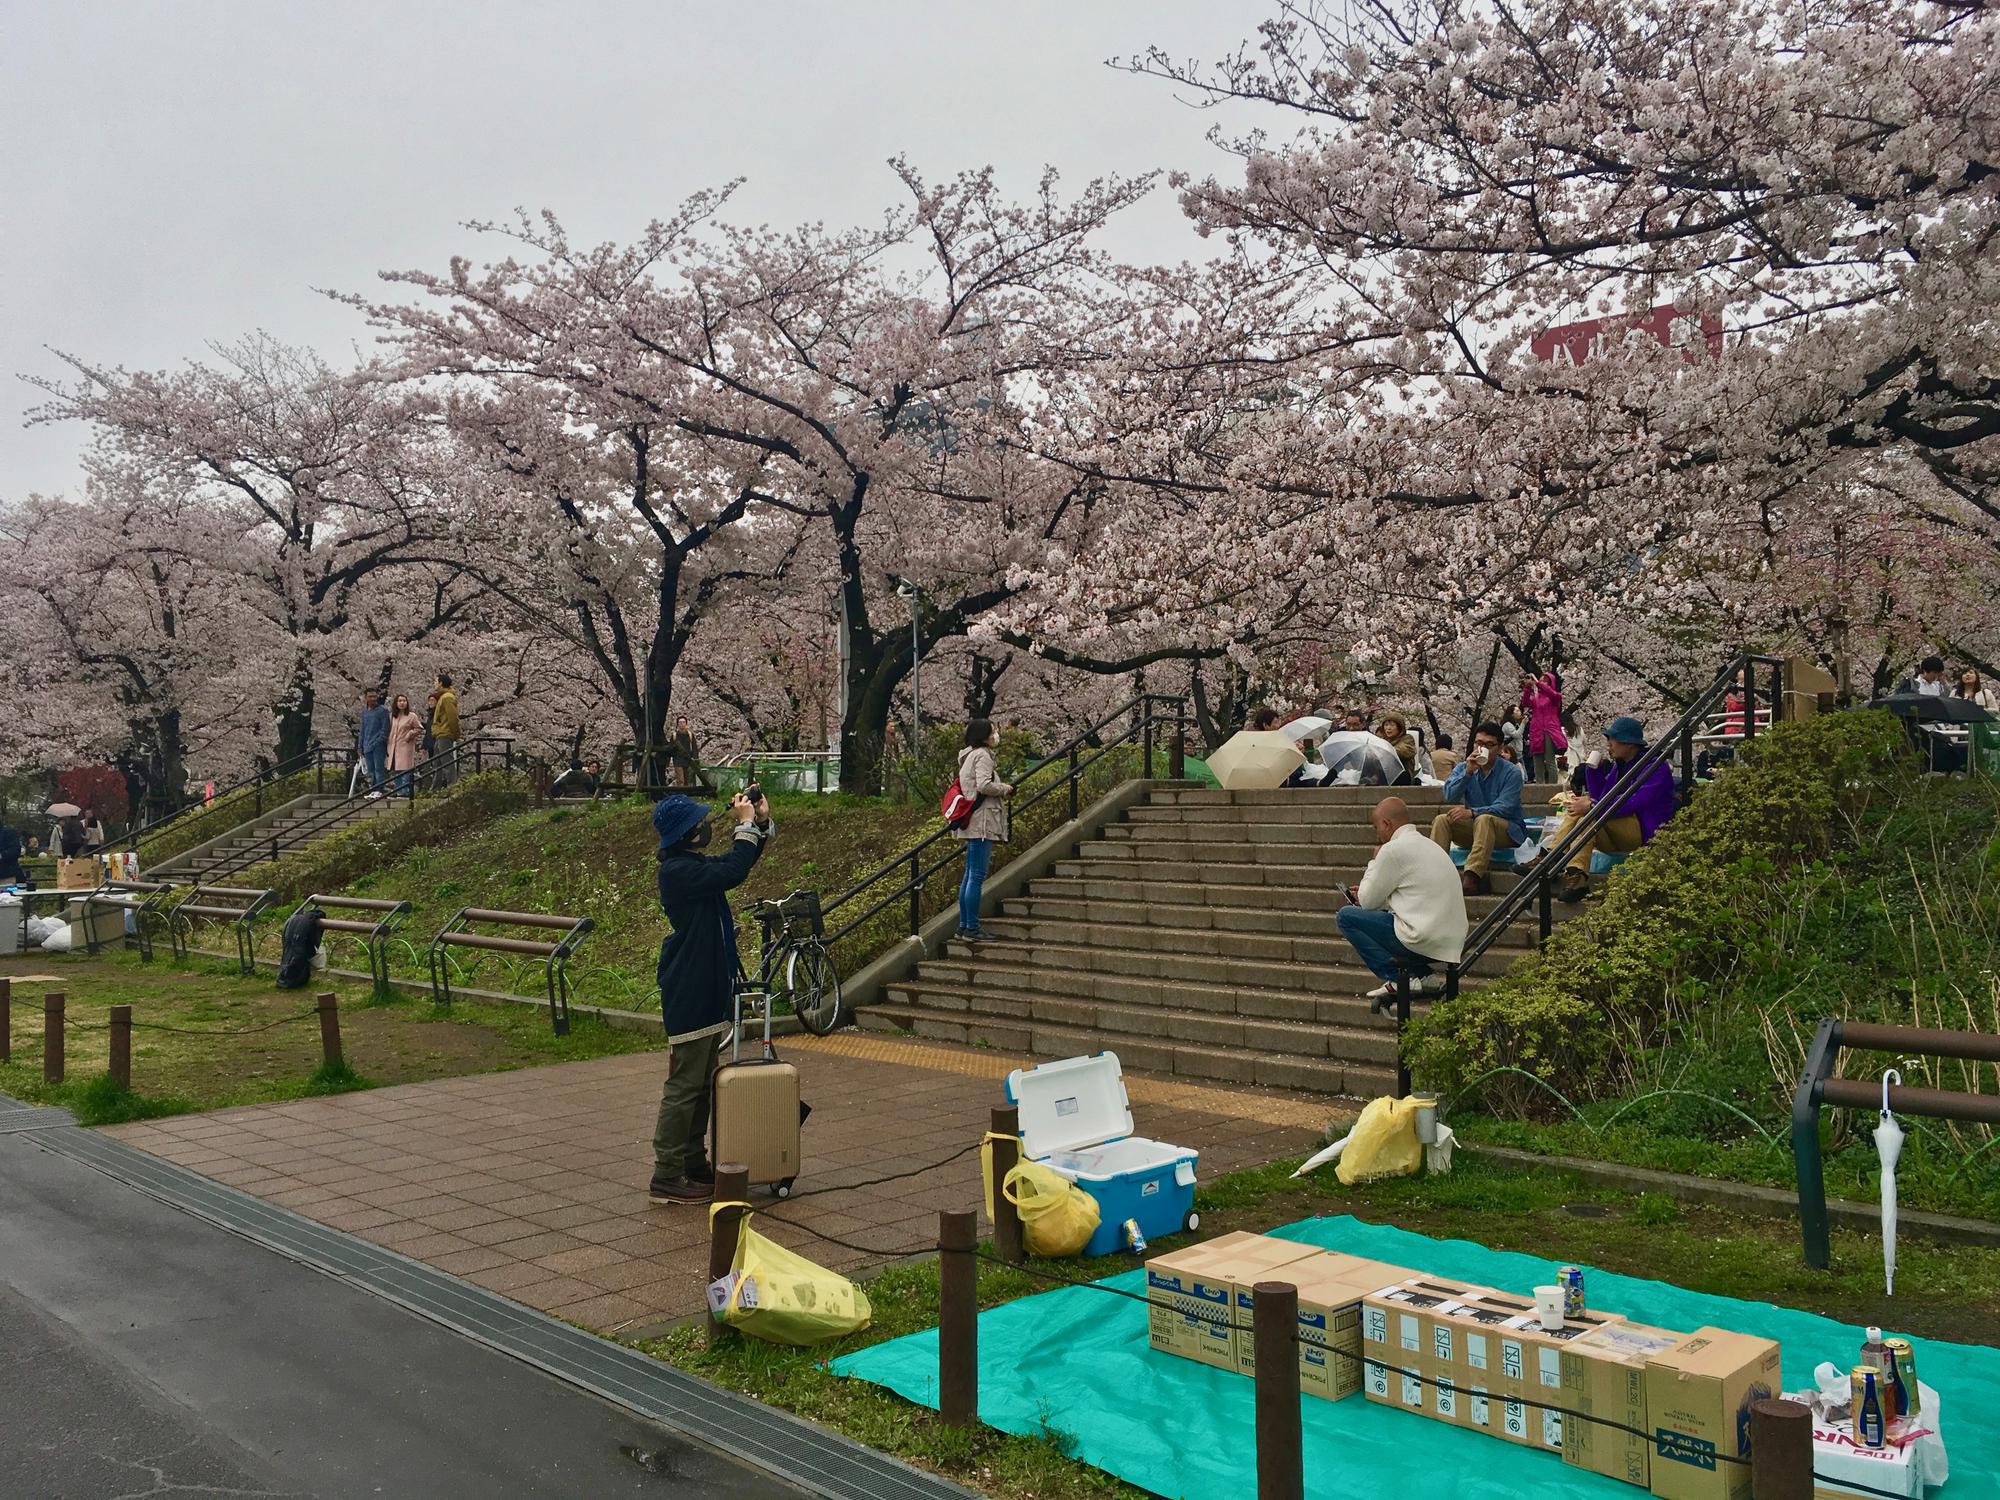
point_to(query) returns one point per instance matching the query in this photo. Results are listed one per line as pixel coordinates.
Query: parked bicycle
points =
(793, 965)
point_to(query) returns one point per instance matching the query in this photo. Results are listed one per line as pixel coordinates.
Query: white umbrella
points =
(1254, 760)
(65, 810)
(1306, 728)
(1889, 1146)
(1358, 750)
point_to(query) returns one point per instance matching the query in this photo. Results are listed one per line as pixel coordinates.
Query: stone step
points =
(1318, 814)
(1316, 878)
(1338, 999)
(1313, 915)
(1265, 971)
(1237, 835)
(1319, 951)
(1162, 888)
(1318, 1075)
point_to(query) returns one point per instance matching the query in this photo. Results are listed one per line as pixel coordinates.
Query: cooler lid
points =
(1071, 1104)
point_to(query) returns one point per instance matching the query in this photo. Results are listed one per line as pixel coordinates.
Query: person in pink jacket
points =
(1542, 701)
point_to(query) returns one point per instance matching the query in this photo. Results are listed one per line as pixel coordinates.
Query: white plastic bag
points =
(57, 941)
(319, 958)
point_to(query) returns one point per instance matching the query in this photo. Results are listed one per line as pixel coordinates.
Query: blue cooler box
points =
(1077, 1118)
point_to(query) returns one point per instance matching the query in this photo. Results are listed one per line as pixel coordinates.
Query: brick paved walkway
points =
(533, 1183)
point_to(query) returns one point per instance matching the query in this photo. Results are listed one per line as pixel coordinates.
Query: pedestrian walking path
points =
(533, 1183)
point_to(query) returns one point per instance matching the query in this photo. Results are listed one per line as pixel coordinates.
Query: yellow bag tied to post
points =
(779, 1296)
(1057, 1217)
(1383, 1143)
(986, 1164)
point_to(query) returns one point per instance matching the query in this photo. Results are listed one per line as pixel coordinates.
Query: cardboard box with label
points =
(1265, 1259)
(1193, 1293)
(1399, 1341)
(1698, 1397)
(1604, 1376)
(1542, 1377)
(1330, 1293)
(1489, 1361)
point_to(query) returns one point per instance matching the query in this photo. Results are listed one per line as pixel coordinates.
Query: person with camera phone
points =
(697, 974)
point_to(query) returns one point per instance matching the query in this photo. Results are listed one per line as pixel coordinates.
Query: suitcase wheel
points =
(784, 1189)
(1193, 1221)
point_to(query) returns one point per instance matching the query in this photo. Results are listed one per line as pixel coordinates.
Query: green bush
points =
(338, 860)
(199, 825)
(1636, 976)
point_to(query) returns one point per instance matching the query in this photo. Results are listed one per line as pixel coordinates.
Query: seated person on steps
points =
(1483, 812)
(1409, 911)
(1644, 808)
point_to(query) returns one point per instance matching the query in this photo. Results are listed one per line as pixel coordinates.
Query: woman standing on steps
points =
(405, 732)
(979, 777)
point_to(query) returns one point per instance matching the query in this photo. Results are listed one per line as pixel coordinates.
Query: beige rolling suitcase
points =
(757, 1113)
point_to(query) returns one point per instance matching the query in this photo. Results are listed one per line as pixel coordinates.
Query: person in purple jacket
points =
(1640, 810)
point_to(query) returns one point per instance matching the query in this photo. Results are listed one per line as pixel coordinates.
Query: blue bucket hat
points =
(1625, 729)
(675, 817)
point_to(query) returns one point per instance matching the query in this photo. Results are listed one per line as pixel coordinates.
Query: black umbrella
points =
(1928, 709)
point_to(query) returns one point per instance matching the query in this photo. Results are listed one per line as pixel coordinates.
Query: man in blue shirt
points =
(1483, 809)
(374, 738)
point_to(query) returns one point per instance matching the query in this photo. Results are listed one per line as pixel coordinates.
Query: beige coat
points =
(978, 777)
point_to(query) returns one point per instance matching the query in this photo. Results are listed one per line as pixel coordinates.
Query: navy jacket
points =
(375, 730)
(698, 958)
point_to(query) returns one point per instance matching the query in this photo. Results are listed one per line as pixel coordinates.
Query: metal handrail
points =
(316, 758)
(1539, 883)
(1145, 714)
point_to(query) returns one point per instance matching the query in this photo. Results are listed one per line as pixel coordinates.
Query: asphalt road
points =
(146, 1353)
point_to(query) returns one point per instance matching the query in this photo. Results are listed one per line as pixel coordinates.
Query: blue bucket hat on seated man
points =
(1625, 729)
(675, 817)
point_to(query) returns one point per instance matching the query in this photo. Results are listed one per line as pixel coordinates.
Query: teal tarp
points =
(1075, 1364)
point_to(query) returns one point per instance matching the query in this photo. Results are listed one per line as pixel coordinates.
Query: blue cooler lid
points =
(1068, 1105)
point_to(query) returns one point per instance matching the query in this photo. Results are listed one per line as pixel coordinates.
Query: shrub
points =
(1638, 968)
(338, 860)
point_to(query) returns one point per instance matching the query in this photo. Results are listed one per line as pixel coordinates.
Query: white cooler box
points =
(1077, 1118)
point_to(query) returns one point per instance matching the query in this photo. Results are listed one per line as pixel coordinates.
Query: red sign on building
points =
(1574, 343)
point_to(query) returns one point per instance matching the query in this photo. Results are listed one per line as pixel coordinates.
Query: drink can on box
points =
(1570, 1279)
(1870, 1419)
(1910, 1399)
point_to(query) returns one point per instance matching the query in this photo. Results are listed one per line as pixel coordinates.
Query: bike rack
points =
(375, 934)
(238, 905)
(1818, 1089)
(555, 955)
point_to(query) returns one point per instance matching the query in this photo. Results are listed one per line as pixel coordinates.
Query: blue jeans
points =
(1373, 934)
(978, 855)
(378, 767)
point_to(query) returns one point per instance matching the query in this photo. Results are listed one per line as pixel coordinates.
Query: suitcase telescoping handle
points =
(736, 1022)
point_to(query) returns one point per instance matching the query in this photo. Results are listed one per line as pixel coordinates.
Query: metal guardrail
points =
(389, 915)
(240, 906)
(456, 933)
(1819, 1089)
(140, 897)
(1148, 712)
(317, 760)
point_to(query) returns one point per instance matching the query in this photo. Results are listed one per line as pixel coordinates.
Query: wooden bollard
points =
(329, 1029)
(1781, 1450)
(6, 1020)
(1281, 1473)
(121, 1046)
(732, 1185)
(1006, 1152)
(52, 1037)
(958, 1319)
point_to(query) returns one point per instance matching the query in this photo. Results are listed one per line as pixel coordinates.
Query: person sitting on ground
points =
(1641, 810)
(1929, 681)
(1263, 720)
(1443, 758)
(1484, 808)
(1397, 733)
(697, 974)
(1409, 912)
(582, 780)
(1968, 687)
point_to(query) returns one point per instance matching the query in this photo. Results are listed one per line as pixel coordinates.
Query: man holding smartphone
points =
(1483, 811)
(1409, 912)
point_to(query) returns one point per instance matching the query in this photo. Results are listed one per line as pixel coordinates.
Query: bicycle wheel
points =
(814, 988)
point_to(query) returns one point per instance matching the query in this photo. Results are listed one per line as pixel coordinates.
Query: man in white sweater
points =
(1410, 910)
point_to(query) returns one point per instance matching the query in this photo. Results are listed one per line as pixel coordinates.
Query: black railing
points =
(1537, 886)
(318, 760)
(480, 754)
(907, 874)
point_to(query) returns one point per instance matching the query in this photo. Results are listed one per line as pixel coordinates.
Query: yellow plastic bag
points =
(986, 1164)
(1057, 1216)
(779, 1296)
(1383, 1142)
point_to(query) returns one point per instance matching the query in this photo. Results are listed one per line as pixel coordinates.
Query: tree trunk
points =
(295, 718)
(875, 669)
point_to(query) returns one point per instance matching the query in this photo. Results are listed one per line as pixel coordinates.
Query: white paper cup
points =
(1549, 1307)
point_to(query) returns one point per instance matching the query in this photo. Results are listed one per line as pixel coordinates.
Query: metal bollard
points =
(329, 1029)
(1280, 1436)
(1781, 1448)
(1006, 1217)
(121, 1046)
(732, 1184)
(52, 1037)
(958, 1319)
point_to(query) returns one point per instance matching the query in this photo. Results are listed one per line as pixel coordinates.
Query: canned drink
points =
(1909, 1395)
(1134, 1240)
(1865, 1382)
(1570, 1279)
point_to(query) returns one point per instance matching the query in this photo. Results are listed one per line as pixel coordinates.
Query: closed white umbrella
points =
(1889, 1147)
(1306, 728)
(1253, 760)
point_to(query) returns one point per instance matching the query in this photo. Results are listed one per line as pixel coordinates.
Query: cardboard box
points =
(1330, 1293)
(1837, 1457)
(1542, 1379)
(1398, 1343)
(1698, 1397)
(1261, 1259)
(1604, 1375)
(1489, 1361)
(1192, 1293)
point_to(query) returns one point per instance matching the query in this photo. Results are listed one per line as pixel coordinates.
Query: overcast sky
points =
(173, 174)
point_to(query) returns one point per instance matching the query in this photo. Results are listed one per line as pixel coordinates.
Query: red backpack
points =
(956, 806)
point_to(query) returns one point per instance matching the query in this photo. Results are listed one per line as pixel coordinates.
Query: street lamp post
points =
(914, 594)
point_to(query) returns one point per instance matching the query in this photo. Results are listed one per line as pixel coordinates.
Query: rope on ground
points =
(850, 1187)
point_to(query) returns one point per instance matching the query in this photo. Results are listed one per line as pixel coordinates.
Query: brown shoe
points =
(681, 1190)
(1575, 886)
(1475, 885)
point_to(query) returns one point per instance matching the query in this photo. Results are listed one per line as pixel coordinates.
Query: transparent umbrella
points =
(1889, 1147)
(1306, 728)
(1373, 757)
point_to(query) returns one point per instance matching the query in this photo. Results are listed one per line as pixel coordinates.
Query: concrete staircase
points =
(296, 826)
(1195, 937)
